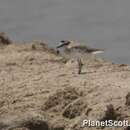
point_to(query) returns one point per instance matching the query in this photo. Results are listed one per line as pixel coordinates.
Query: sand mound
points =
(37, 79)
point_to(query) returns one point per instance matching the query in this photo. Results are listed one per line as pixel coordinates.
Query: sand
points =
(41, 90)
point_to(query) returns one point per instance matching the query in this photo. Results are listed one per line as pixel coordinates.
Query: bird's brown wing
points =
(86, 49)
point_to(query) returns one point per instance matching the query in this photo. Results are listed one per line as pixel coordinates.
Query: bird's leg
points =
(80, 65)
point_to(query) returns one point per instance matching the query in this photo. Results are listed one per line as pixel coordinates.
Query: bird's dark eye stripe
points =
(66, 42)
(63, 41)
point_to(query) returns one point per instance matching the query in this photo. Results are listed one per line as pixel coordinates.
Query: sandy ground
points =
(41, 90)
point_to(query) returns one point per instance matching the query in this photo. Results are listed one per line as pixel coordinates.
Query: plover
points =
(77, 50)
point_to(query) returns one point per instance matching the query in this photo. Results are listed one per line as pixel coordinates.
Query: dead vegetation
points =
(4, 39)
(61, 98)
(42, 46)
(110, 114)
(74, 109)
(128, 99)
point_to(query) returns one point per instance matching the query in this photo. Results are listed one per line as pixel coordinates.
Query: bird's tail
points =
(98, 51)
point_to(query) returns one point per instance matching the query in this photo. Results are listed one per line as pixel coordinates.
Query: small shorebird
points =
(77, 50)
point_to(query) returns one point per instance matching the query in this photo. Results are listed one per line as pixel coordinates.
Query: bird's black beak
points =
(58, 46)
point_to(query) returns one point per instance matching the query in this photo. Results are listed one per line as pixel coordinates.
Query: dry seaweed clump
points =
(61, 98)
(41, 45)
(110, 113)
(104, 112)
(22, 128)
(128, 99)
(4, 39)
(36, 125)
(24, 122)
(75, 108)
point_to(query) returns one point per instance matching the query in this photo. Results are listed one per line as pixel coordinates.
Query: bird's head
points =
(63, 43)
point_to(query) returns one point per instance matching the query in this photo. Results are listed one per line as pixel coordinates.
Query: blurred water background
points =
(98, 23)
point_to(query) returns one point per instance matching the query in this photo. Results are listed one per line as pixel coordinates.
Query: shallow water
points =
(98, 23)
